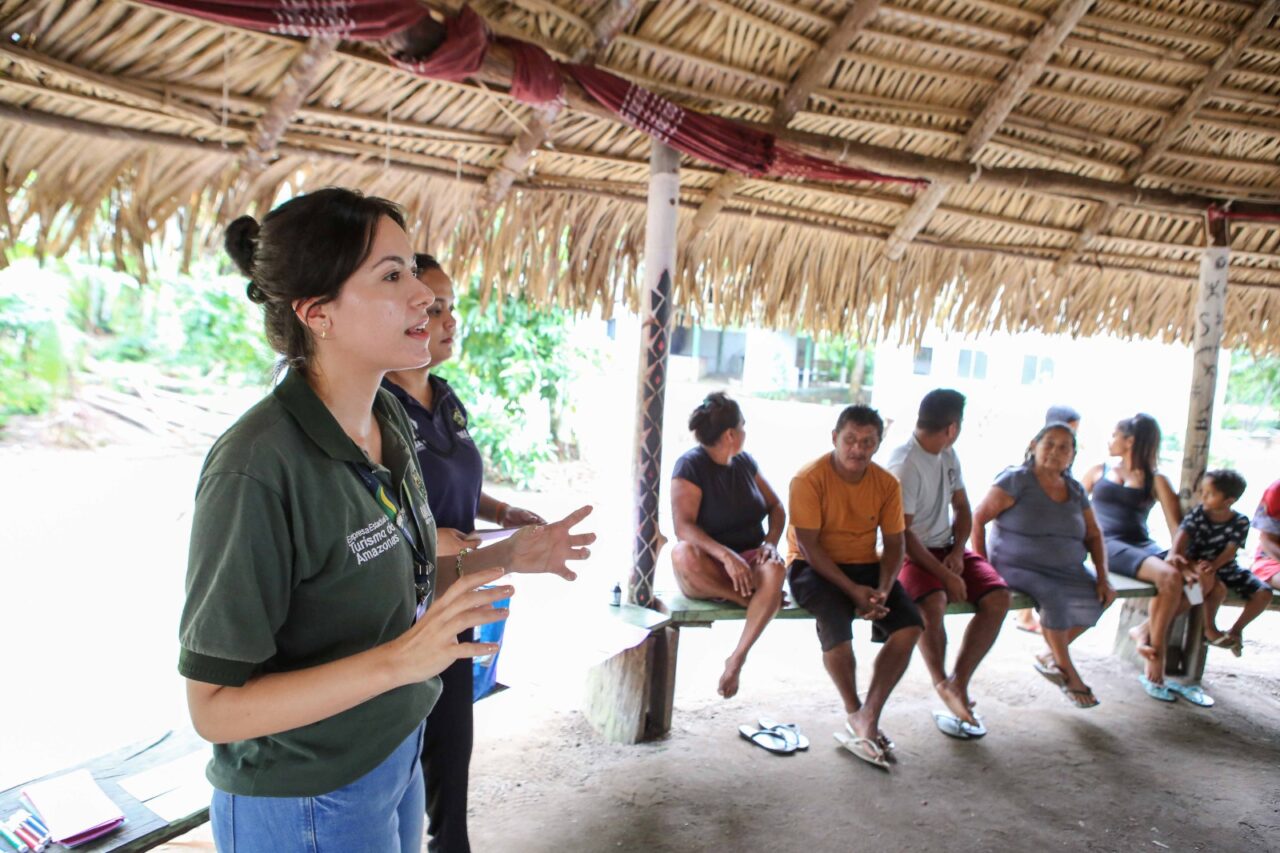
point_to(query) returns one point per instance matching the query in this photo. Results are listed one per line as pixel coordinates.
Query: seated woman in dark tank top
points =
(719, 501)
(1123, 496)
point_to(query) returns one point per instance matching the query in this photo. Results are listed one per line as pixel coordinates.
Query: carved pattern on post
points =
(659, 266)
(653, 390)
(1209, 317)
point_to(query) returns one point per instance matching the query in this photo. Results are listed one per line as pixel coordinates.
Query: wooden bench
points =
(630, 696)
(143, 829)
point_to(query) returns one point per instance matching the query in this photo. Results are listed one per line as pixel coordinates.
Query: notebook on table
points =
(73, 807)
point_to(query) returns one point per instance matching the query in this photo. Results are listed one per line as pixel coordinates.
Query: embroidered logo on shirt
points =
(373, 540)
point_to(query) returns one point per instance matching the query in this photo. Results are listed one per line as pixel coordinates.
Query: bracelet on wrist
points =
(500, 511)
(457, 564)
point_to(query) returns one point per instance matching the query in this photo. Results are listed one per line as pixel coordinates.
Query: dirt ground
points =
(1132, 774)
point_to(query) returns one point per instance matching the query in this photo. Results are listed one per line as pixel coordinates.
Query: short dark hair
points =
(714, 415)
(860, 415)
(306, 248)
(426, 263)
(1227, 481)
(939, 409)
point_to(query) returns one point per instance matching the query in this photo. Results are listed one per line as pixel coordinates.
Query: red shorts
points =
(979, 577)
(1265, 568)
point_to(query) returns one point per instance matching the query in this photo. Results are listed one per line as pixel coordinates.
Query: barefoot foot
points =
(729, 678)
(1141, 638)
(953, 697)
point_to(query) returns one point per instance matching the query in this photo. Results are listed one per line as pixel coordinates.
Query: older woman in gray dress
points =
(1043, 528)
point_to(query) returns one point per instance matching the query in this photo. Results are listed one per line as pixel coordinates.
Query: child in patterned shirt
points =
(1205, 549)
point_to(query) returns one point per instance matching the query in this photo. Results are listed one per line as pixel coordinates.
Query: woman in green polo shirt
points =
(310, 654)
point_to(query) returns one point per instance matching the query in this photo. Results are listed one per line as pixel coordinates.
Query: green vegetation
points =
(1253, 392)
(59, 320)
(513, 375)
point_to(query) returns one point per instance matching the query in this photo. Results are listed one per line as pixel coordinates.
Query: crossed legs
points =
(890, 664)
(1152, 636)
(699, 576)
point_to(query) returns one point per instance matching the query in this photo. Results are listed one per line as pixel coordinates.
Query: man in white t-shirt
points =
(938, 569)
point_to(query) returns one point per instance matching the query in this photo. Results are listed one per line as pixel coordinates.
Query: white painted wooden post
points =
(655, 332)
(1209, 318)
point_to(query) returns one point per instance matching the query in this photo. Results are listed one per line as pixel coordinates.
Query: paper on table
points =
(180, 772)
(73, 806)
(180, 803)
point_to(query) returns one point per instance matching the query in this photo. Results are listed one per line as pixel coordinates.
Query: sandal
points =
(864, 749)
(887, 746)
(1160, 692)
(767, 739)
(1192, 693)
(789, 731)
(1050, 671)
(1082, 699)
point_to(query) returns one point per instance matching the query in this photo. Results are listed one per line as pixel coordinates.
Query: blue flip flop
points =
(1192, 693)
(951, 726)
(1157, 691)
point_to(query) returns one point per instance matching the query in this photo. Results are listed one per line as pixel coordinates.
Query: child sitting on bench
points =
(1205, 549)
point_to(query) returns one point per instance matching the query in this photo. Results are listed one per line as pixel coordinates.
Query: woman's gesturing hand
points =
(549, 547)
(431, 645)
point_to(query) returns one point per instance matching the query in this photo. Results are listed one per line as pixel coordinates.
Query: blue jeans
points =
(382, 811)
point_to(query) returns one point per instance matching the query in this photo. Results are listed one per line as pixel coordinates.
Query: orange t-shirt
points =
(846, 515)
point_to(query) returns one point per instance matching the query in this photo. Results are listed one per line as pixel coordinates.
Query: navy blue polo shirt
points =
(450, 461)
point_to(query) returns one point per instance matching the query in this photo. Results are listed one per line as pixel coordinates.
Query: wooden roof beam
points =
(617, 15)
(1030, 65)
(300, 79)
(1177, 124)
(814, 71)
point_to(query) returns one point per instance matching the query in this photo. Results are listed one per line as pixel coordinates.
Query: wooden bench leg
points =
(629, 697)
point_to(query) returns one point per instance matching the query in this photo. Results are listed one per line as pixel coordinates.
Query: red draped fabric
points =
(536, 79)
(362, 20)
(459, 56)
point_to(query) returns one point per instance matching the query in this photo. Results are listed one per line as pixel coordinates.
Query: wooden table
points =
(142, 829)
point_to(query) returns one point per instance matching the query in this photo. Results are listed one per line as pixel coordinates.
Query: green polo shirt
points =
(293, 565)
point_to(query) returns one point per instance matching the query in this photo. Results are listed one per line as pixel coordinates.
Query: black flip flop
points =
(767, 739)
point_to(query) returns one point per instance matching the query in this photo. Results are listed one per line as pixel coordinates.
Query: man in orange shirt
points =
(837, 504)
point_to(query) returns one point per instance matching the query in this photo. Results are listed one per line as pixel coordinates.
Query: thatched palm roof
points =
(159, 115)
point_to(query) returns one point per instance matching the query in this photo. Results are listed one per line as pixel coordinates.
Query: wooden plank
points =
(142, 829)
(641, 617)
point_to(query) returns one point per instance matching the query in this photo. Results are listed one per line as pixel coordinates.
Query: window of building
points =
(1036, 369)
(922, 363)
(973, 364)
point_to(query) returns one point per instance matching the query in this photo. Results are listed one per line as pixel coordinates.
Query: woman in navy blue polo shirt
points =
(454, 473)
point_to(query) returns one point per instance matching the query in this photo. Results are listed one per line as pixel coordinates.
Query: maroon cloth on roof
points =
(461, 53)
(536, 78)
(362, 20)
(714, 140)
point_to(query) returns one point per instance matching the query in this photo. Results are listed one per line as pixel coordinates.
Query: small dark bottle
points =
(616, 600)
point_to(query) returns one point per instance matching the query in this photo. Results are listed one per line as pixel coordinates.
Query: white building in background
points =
(1010, 380)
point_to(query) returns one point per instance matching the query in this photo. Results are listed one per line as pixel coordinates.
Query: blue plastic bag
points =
(484, 670)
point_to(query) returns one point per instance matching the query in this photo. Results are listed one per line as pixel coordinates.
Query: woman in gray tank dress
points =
(1124, 495)
(1043, 528)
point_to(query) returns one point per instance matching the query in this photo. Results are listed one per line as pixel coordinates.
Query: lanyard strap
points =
(423, 577)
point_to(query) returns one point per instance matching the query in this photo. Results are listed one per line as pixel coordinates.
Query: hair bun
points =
(241, 241)
(256, 294)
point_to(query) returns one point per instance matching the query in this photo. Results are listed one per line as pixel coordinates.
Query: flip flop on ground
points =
(767, 739)
(887, 746)
(980, 730)
(1192, 693)
(863, 748)
(790, 731)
